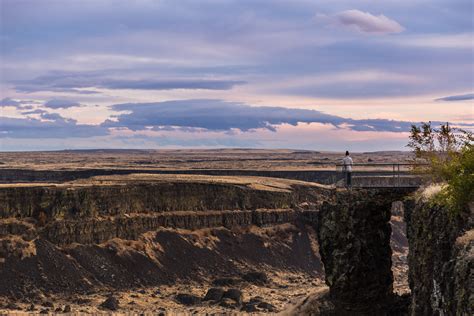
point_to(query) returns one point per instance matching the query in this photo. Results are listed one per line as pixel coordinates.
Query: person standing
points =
(347, 168)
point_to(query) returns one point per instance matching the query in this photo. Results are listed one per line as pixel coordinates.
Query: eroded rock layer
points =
(441, 259)
(104, 196)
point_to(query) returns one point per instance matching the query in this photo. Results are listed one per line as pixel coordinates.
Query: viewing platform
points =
(382, 175)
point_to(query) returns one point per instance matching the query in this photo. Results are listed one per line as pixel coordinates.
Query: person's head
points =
(347, 153)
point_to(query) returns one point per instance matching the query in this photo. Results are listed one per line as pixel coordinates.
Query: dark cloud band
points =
(79, 82)
(461, 97)
(219, 115)
(187, 116)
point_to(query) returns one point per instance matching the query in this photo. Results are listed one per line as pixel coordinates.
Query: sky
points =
(318, 75)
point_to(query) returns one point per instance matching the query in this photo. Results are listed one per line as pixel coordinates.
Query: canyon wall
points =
(77, 222)
(441, 258)
(86, 201)
(146, 232)
(123, 233)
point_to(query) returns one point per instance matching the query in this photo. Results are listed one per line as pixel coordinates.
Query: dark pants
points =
(348, 178)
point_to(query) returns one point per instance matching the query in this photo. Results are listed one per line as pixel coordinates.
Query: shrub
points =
(449, 154)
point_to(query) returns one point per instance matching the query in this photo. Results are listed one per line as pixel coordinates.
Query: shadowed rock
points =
(441, 258)
(234, 294)
(111, 303)
(188, 299)
(214, 294)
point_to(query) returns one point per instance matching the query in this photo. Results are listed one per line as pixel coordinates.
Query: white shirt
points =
(347, 162)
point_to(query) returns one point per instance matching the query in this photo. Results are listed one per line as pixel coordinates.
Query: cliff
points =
(72, 225)
(118, 195)
(131, 231)
(123, 232)
(354, 235)
(441, 257)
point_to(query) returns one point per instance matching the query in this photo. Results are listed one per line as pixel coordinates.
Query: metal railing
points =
(367, 175)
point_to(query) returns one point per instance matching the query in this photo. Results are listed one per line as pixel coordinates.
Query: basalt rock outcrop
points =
(147, 194)
(354, 238)
(441, 258)
(101, 209)
(121, 234)
(90, 231)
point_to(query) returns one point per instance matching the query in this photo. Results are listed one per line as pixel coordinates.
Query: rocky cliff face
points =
(354, 234)
(90, 231)
(89, 201)
(140, 232)
(441, 259)
(128, 232)
(354, 237)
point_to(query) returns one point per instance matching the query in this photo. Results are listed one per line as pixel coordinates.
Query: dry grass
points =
(15, 246)
(256, 183)
(430, 191)
(466, 238)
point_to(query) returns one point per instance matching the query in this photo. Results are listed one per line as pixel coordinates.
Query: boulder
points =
(214, 294)
(266, 306)
(187, 299)
(111, 303)
(249, 308)
(234, 294)
(255, 277)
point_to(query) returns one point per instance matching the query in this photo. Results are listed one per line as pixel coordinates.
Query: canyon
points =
(167, 242)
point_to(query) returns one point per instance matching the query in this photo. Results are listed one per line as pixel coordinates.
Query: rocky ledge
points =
(119, 195)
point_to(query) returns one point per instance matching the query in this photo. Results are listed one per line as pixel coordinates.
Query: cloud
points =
(367, 23)
(169, 84)
(217, 115)
(9, 102)
(202, 122)
(30, 88)
(193, 49)
(37, 111)
(60, 104)
(82, 82)
(20, 104)
(51, 125)
(461, 97)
